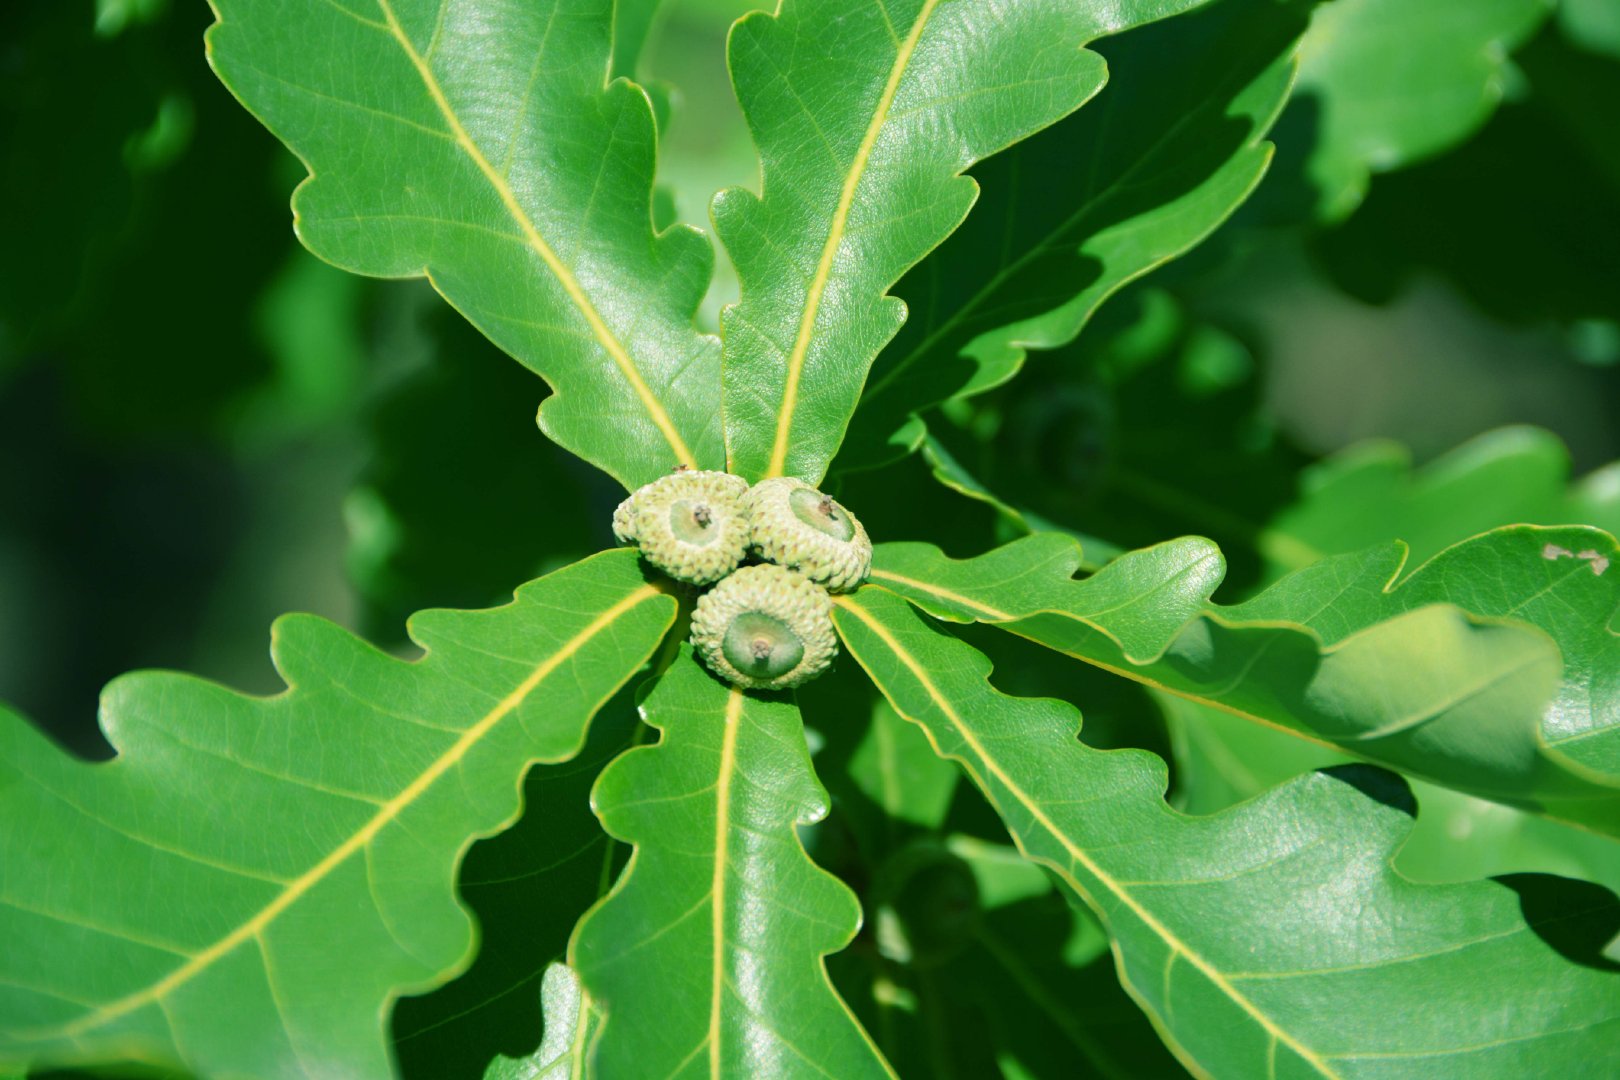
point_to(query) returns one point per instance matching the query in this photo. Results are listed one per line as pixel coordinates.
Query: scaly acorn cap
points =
(794, 525)
(624, 521)
(691, 524)
(765, 628)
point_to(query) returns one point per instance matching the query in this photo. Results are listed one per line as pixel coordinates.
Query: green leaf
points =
(1391, 82)
(1594, 24)
(526, 888)
(1426, 676)
(1371, 493)
(1564, 580)
(245, 888)
(1052, 1015)
(1222, 760)
(865, 115)
(1167, 151)
(419, 533)
(1012, 521)
(707, 954)
(1247, 935)
(571, 1022)
(1552, 259)
(885, 783)
(482, 148)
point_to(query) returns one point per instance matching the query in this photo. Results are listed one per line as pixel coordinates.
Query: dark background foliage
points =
(202, 426)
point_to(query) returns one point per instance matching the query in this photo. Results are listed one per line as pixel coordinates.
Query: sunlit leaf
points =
(1424, 675)
(865, 115)
(571, 1021)
(707, 955)
(1222, 760)
(247, 886)
(478, 142)
(1247, 935)
(1170, 148)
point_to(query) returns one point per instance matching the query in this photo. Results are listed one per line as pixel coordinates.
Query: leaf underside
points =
(256, 878)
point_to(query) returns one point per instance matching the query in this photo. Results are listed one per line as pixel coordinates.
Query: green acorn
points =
(690, 524)
(765, 628)
(794, 525)
(624, 521)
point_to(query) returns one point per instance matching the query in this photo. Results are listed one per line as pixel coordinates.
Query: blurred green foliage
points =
(202, 426)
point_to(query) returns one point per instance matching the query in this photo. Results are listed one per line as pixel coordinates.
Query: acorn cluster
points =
(766, 625)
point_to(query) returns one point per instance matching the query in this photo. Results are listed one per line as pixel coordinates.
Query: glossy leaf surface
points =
(865, 115)
(571, 1021)
(707, 956)
(1168, 149)
(1403, 674)
(526, 888)
(974, 965)
(1222, 760)
(247, 886)
(1246, 934)
(478, 142)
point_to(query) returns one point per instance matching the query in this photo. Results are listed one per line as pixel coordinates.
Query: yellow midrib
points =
(717, 892)
(385, 814)
(1078, 854)
(997, 615)
(946, 594)
(576, 292)
(835, 237)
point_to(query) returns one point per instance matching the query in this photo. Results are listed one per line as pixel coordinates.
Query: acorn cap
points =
(690, 524)
(624, 521)
(794, 525)
(765, 628)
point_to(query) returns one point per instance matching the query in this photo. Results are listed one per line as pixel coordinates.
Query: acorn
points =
(794, 525)
(691, 524)
(765, 628)
(624, 521)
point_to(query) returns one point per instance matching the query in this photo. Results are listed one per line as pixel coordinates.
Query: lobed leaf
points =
(707, 954)
(525, 887)
(1071, 215)
(248, 885)
(571, 1021)
(478, 143)
(1221, 760)
(1247, 935)
(865, 115)
(1411, 675)
(1370, 493)
(974, 966)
